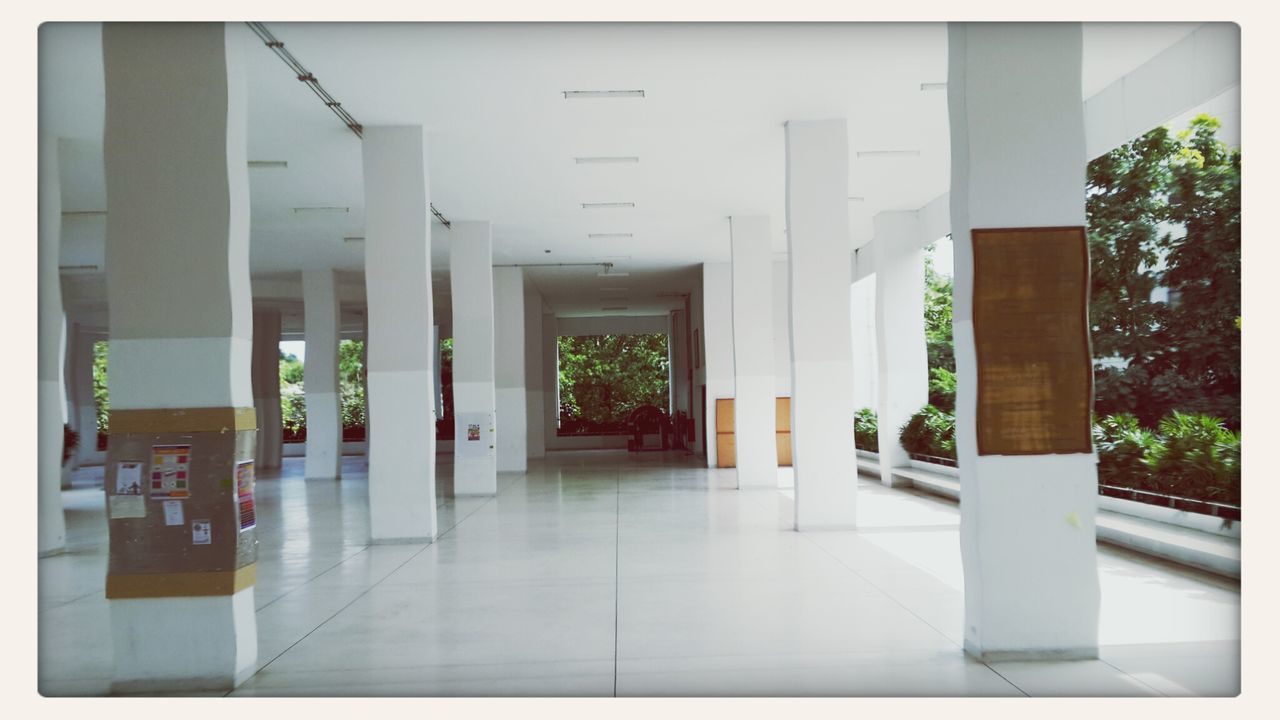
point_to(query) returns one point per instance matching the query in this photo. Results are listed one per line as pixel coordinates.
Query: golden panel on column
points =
(726, 446)
(782, 420)
(1031, 334)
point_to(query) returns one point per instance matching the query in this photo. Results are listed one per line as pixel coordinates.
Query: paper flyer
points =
(170, 470)
(201, 532)
(172, 512)
(244, 495)
(129, 478)
(126, 506)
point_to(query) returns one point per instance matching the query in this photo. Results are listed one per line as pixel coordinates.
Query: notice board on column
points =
(1031, 333)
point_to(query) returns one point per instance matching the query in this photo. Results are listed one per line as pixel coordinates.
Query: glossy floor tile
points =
(606, 573)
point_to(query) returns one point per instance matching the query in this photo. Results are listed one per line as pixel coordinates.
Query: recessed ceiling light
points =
(615, 307)
(598, 205)
(888, 153)
(605, 159)
(269, 164)
(332, 208)
(933, 86)
(854, 198)
(589, 94)
(603, 236)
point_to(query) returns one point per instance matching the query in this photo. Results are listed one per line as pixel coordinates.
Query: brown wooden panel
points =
(1031, 333)
(726, 450)
(724, 415)
(192, 584)
(784, 449)
(181, 420)
(782, 414)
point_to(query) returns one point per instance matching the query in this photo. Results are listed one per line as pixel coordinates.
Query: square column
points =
(51, 410)
(902, 356)
(510, 401)
(82, 410)
(475, 461)
(754, 407)
(533, 374)
(821, 346)
(181, 569)
(320, 375)
(266, 387)
(402, 359)
(1027, 530)
(717, 339)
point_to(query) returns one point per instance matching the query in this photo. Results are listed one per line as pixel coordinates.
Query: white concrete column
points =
(536, 439)
(475, 463)
(550, 378)
(266, 387)
(781, 329)
(177, 258)
(84, 413)
(901, 356)
(717, 327)
(862, 309)
(1018, 160)
(52, 405)
(320, 375)
(509, 381)
(821, 349)
(401, 367)
(754, 408)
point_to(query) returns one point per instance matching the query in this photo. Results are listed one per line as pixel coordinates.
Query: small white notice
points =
(172, 512)
(201, 532)
(126, 506)
(128, 478)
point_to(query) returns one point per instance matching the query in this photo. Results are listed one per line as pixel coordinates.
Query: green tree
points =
(604, 377)
(1164, 211)
(100, 401)
(937, 317)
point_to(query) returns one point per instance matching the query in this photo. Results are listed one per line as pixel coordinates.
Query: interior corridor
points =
(608, 573)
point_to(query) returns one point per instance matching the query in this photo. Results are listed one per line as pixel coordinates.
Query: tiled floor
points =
(604, 573)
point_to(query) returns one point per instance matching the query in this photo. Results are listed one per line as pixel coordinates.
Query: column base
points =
(1030, 655)
(174, 644)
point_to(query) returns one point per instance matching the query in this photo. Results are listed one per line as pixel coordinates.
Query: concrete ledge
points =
(1058, 654)
(1151, 530)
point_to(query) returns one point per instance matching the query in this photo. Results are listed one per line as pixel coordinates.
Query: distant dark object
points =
(650, 429)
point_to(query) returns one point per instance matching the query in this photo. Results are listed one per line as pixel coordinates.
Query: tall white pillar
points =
(474, 392)
(862, 308)
(1018, 160)
(266, 387)
(401, 366)
(52, 405)
(754, 407)
(533, 375)
(320, 375)
(550, 378)
(901, 355)
(717, 339)
(821, 348)
(510, 401)
(84, 413)
(177, 248)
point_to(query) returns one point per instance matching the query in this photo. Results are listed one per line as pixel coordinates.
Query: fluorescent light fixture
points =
(353, 239)
(83, 213)
(590, 94)
(606, 274)
(606, 236)
(74, 269)
(855, 198)
(933, 86)
(256, 164)
(606, 159)
(330, 208)
(613, 257)
(599, 205)
(888, 153)
(615, 307)
(614, 289)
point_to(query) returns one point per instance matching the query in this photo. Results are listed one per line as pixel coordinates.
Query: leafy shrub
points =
(866, 430)
(942, 389)
(1123, 446)
(1198, 457)
(931, 431)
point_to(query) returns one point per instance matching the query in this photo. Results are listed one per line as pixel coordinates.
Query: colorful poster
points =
(473, 433)
(244, 495)
(201, 532)
(129, 478)
(173, 512)
(170, 472)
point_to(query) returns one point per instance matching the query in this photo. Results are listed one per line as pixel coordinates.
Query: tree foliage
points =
(937, 317)
(604, 377)
(1164, 211)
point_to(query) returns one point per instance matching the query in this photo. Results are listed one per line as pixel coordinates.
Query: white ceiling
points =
(503, 138)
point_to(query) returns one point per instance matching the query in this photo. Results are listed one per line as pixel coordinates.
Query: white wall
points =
(534, 379)
(717, 337)
(781, 328)
(612, 325)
